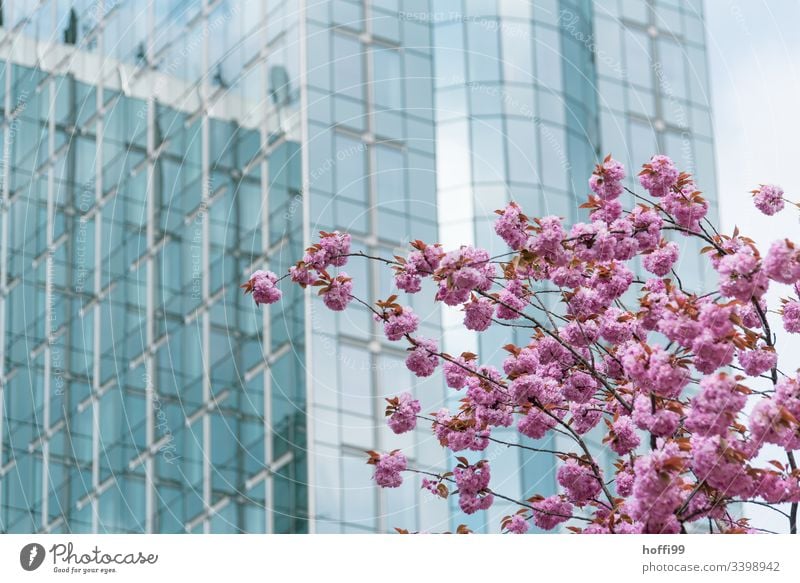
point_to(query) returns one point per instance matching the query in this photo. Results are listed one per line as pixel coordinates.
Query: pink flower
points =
(511, 302)
(716, 406)
(768, 198)
(654, 369)
(774, 488)
(607, 210)
(456, 373)
(534, 386)
(420, 263)
(458, 436)
(711, 353)
(659, 175)
(568, 276)
(550, 236)
(616, 325)
(263, 286)
(478, 314)
(657, 488)
(593, 241)
(549, 512)
(626, 246)
(461, 272)
(337, 245)
(536, 423)
(579, 387)
(399, 322)
(388, 467)
(517, 524)
(512, 226)
(749, 314)
(403, 411)
(431, 486)
(332, 249)
(741, 276)
(791, 316)
(408, 282)
(338, 293)
(717, 319)
(610, 281)
(624, 481)
(623, 436)
(782, 263)
(715, 460)
(774, 420)
(662, 422)
(585, 416)
(473, 487)
(687, 206)
(580, 333)
(606, 180)
(302, 275)
(584, 302)
(647, 224)
(579, 482)
(756, 362)
(522, 362)
(422, 359)
(661, 260)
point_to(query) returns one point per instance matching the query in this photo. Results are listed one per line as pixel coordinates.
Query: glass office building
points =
(530, 96)
(156, 153)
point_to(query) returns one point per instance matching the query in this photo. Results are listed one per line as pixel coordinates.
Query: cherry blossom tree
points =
(682, 387)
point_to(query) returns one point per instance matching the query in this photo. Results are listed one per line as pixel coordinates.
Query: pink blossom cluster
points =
(478, 314)
(659, 176)
(338, 293)
(517, 524)
(741, 275)
(579, 481)
(420, 263)
(398, 322)
(660, 261)
(657, 489)
(549, 512)
(623, 437)
(791, 316)
(402, 411)
(389, 468)
(473, 486)
(686, 205)
(423, 358)
(782, 263)
(263, 286)
(768, 198)
(774, 419)
(332, 249)
(606, 180)
(459, 434)
(654, 372)
(462, 272)
(512, 226)
(713, 410)
(758, 360)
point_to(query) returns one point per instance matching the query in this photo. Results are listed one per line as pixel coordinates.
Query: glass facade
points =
(156, 153)
(530, 95)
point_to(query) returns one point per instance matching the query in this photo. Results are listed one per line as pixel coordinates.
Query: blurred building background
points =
(156, 153)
